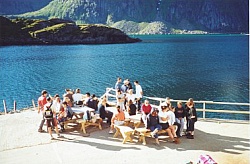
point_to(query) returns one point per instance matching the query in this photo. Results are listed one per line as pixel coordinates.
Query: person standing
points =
(179, 117)
(50, 117)
(138, 94)
(191, 117)
(145, 110)
(118, 84)
(41, 102)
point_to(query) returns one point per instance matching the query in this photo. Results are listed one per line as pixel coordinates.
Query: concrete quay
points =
(225, 142)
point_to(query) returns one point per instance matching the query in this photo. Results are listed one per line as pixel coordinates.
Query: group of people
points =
(55, 111)
(166, 117)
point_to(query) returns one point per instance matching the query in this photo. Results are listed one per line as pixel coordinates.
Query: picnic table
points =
(95, 121)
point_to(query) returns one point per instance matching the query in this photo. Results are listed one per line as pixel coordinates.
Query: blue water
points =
(204, 67)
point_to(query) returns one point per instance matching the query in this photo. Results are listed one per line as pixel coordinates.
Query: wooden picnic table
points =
(85, 123)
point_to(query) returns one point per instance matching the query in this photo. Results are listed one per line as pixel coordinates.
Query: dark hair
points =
(65, 103)
(93, 95)
(44, 92)
(56, 95)
(48, 99)
(88, 93)
(136, 82)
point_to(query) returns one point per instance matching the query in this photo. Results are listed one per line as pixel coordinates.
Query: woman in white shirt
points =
(165, 122)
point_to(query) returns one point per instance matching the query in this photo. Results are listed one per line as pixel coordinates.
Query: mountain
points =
(21, 6)
(57, 31)
(225, 16)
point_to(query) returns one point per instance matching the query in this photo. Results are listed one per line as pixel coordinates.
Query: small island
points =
(21, 31)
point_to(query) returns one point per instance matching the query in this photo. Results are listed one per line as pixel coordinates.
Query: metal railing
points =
(204, 104)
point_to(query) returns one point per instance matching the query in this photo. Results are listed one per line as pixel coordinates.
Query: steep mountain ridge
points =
(208, 15)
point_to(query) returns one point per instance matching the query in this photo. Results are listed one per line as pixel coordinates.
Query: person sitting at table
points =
(78, 97)
(70, 113)
(153, 124)
(87, 98)
(93, 102)
(103, 112)
(145, 110)
(69, 103)
(69, 94)
(131, 108)
(118, 119)
(163, 120)
(62, 116)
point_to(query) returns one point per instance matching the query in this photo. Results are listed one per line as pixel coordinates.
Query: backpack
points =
(48, 114)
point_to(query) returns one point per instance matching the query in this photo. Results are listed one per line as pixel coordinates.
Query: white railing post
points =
(204, 110)
(5, 107)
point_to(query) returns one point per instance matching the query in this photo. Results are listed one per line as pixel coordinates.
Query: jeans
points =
(181, 127)
(153, 127)
(190, 124)
(42, 122)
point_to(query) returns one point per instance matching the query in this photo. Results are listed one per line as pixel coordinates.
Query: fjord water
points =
(204, 67)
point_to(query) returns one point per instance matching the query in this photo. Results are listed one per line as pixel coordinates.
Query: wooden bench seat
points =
(86, 123)
(69, 121)
(143, 133)
(125, 132)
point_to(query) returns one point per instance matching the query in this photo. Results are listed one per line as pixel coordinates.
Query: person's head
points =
(67, 90)
(154, 112)
(64, 104)
(130, 91)
(136, 82)
(93, 96)
(119, 79)
(146, 102)
(119, 91)
(66, 99)
(48, 99)
(56, 95)
(118, 108)
(164, 108)
(78, 90)
(104, 101)
(130, 102)
(179, 104)
(58, 99)
(87, 94)
(44, 93)
(190, 102)
(168, 100)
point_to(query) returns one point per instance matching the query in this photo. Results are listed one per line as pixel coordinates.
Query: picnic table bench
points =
(124, 131)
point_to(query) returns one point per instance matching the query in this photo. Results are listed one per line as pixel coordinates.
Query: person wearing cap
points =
(124, 87)
(41, 102)
(153, 124)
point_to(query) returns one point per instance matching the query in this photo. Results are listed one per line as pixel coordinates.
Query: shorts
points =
(53, 121)
(164, 125)
(118, 122)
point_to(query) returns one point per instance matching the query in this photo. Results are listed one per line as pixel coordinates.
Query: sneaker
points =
(190, 137)
(152, 134)
(111, 132)
(41, 130)
(60, 136)
(52, 138)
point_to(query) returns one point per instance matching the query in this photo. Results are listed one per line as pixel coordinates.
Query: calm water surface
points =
(207, 67)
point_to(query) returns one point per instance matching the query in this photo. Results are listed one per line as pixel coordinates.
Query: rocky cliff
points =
(57, 31)
(227, 16)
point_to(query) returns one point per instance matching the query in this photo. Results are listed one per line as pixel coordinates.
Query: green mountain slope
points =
(207, 15)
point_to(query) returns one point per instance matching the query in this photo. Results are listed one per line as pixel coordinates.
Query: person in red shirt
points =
(145, 110)
(41, 102)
